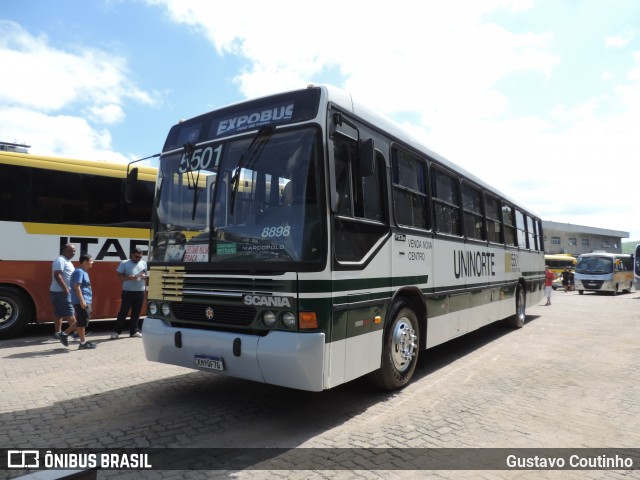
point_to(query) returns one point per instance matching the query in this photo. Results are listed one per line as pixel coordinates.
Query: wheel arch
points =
(28, 291)
(12, 291)
(415, 299)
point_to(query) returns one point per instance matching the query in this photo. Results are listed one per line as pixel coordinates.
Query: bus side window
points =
(14, 199)
(410, 201)
(509, 226)
(494, 226)
(446, 198)
(531, 234)
(473, 218)
(344, 151)
(372, 186)
(360, 197)
(521, 230)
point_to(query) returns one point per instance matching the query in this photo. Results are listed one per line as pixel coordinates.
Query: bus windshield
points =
(594, 265)
(251, 200)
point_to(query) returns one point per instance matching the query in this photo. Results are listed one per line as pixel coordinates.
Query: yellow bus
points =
(557, 263)
(604, 272)
(46, 202)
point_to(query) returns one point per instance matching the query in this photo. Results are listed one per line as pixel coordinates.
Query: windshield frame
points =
(315, 164)
(590, 262)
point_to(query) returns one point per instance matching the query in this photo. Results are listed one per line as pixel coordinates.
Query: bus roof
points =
(606, 254)
(379, 121)
(107, 169)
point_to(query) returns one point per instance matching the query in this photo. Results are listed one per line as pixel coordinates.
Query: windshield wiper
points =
(249, 158)
(189, 148)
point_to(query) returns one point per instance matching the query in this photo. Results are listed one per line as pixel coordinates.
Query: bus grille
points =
(596, 284)
(222, 314)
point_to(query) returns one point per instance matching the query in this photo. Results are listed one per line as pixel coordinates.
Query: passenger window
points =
(344, 152)
(531, 234)
(360, 197)
(446, 200)
(410, 201)
(494, 225)
(14, 196)
(539, 235)
(473, 219)
(509, 225)
(520, 230)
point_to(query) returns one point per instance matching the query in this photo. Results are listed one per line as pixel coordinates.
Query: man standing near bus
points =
(133, 274)
(566, 278)
(549, 277)
(81, 296)
(60, 289)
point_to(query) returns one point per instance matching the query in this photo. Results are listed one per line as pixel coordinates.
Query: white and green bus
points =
(302, 240)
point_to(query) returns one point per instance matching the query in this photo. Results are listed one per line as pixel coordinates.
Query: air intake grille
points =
(222, 314)
(593, 284)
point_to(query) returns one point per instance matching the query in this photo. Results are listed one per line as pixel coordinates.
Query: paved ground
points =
(569, 378)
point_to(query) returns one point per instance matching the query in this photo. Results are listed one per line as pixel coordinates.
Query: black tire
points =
(15, 312)
(517, 320)
(399, 349)
(581, 292)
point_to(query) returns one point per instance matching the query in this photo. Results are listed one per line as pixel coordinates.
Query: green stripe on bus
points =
(324, 286)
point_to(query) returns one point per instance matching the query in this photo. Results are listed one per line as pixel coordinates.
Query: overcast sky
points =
(540, 98)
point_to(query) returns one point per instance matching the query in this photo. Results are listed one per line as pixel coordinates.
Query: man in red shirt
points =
(549, 277)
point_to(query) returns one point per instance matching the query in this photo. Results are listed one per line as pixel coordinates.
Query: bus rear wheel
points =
(399, 349)
(517, 320)
(15, 312)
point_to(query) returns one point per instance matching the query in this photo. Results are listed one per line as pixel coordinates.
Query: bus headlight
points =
(289, 320)
(153, 308)
(269, 318)
(165, 309)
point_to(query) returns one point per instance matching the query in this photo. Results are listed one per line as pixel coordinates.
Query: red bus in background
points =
(46, 202)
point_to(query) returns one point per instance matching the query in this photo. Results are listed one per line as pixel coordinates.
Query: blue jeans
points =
(130, 301)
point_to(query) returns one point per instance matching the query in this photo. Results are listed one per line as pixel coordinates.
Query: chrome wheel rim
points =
(404, 344)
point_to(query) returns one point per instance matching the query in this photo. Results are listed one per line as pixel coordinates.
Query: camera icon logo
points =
(23, 459)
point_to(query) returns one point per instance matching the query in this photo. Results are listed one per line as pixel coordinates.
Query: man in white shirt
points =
(133, 275)
(60, 289)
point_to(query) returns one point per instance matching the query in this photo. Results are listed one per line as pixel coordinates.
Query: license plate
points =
(212, 363)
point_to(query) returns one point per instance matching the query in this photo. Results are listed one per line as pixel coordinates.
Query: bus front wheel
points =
(399, 350)
(15, 312)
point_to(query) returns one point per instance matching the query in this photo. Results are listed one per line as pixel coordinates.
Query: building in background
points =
(14, 147)
(578, 239)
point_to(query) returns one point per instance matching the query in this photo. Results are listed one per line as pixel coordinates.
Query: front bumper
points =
(288, 359)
